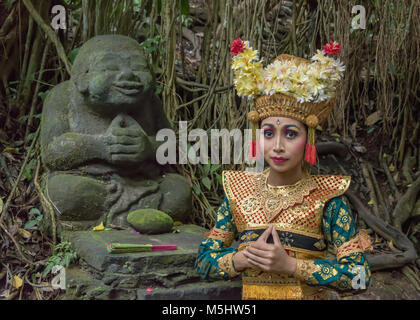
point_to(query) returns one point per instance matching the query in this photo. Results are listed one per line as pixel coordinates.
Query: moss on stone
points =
(150, 221)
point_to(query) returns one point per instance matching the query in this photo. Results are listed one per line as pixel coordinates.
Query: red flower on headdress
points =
(332, 48)
(237, 46)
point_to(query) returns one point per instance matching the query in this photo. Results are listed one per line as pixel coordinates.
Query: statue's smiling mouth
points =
(127, 87)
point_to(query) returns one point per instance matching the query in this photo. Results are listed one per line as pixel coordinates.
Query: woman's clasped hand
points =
(268, 257)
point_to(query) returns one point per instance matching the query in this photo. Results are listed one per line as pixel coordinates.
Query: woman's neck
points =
(290, 177)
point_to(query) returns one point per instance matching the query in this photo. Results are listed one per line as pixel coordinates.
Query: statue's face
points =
(118, 79)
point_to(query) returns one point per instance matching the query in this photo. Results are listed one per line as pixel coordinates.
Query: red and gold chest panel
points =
(297, 208)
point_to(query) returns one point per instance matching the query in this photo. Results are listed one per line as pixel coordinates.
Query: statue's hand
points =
(128, 145)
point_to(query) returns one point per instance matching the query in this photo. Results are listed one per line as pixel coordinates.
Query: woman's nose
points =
(278, 145)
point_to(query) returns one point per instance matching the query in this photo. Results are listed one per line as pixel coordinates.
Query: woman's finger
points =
(257, 265)
(265, 234)
(258, 251)
(276, 237)
(256, 259)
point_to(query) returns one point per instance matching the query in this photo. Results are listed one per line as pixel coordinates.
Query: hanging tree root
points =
(381, 201)
(3, 214)
(335, 148)
(369, 184)
(391, 180)
(387, 260)
(411, 276)
(46, 204)
(405, 205)
(408, 163)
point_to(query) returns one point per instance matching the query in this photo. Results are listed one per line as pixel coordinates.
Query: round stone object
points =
(150, 221)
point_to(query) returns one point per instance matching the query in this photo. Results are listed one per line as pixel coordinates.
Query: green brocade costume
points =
(308, 216)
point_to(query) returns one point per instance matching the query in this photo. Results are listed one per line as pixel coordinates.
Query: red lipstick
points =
(278, 159)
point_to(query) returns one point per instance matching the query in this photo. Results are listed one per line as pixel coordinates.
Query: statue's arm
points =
(60, 148)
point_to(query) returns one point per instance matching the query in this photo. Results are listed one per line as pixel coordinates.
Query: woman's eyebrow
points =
(268, 125)
(287, 126)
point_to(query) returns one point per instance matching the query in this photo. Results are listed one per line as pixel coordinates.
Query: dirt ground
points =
(386, 285)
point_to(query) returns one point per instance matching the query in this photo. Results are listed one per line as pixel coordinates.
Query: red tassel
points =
(310, 154)
(313, 155)
(307, 147)
(254, 150)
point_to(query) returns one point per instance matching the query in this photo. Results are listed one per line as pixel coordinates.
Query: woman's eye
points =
(268, 133)
(291, 134)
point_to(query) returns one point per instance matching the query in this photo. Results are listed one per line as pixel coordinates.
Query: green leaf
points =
(43, 95)
(197, 189)
(30, 136)
(214, 167)
(24, 118)
(158, 90)
(207, 183)
(72, 54)
(27, 173)
(34, 211)
(371, 129)
(219, 178)
(47, 270)
(30, 224)
(206, 168)
(66, 260)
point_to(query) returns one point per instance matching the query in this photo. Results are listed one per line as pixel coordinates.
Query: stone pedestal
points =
(169, 274)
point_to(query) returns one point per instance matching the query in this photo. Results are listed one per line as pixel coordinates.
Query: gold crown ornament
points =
(289, 87)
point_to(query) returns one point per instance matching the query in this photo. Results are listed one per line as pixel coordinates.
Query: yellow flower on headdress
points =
(312, 82)
(248, 71)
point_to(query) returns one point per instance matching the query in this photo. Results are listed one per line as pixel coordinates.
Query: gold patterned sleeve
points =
(215, 254)
(350, 270)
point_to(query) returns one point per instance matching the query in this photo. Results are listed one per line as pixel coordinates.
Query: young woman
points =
(285, 218)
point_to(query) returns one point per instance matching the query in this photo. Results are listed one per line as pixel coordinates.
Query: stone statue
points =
(98, 139)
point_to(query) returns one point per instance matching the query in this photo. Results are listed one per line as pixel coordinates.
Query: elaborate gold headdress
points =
(289, 87)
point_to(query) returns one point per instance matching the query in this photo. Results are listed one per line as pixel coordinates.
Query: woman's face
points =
(284, 143)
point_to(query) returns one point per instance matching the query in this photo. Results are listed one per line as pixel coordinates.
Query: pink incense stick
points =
(163, 247)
